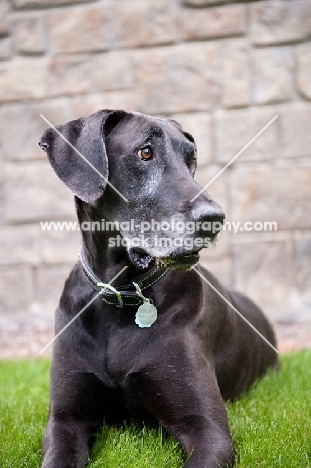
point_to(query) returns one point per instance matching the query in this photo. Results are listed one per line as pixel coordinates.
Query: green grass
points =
(270, 424)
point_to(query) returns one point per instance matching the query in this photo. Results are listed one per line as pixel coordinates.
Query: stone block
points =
(144, 22)
(38, 194)
(49, 284)
(16, 290)
(19, 244)
(295, 129)
(236, 89)
(22, 127)
(214, 22)
(1, 187)
(198, 124)
(264, 272)
(218, 188)
(70, 75)
(42, 3)
(4, 18)
(277, 21)
(1, 180)
(59, 246)
(25, 335)
(265, 193)
(221, 268)
(112, 71)
(82, 29)
(90, 103)
(303, 54)
(1, 169)
(200, 3)
(5, 48)
(29, 33)
(301, 296)
(22, 79)
(234, 129)
(273, 75)
(302, 244)
(188, 80)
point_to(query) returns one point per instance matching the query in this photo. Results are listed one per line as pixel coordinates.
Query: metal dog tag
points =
(146, 315)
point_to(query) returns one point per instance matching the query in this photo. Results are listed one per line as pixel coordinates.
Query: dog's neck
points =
(105, 260)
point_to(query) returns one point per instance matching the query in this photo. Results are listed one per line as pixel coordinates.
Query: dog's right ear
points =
(77, 152)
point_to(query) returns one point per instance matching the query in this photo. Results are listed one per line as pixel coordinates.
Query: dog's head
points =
(137, 171)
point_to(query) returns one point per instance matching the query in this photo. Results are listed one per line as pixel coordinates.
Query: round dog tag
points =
(146, 315)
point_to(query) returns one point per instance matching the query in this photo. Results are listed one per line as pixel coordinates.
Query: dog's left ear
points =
(80, 159)
(187, 135)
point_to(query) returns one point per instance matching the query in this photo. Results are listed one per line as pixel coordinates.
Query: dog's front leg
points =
(205, 438)
(79, 404)
(207, 442)
(65, 442)
(183, 394)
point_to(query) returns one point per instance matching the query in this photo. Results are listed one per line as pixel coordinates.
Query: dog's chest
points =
(128, 351)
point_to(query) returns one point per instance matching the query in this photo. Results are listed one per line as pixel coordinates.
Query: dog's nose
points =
(210, 211)
(209, 219)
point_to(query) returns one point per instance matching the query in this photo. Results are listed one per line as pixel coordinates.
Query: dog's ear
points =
(77, 152)
(187, 135)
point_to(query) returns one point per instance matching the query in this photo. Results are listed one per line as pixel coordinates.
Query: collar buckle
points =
(102, 287)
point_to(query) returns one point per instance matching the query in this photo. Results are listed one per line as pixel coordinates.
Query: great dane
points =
(156, 339)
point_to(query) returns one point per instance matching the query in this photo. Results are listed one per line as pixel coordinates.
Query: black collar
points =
(123, 295)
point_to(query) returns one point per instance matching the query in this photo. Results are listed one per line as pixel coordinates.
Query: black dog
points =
(185, 350)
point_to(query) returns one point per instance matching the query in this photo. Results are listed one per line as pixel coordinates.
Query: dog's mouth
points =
(180, 262)
(142, 260)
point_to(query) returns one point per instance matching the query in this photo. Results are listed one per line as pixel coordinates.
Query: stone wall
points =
(223, 69)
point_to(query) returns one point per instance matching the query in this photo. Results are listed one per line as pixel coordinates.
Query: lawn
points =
(271, 424)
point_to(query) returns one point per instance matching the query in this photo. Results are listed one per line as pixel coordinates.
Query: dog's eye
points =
(191, 159)
(145, 153)
(194, 158)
